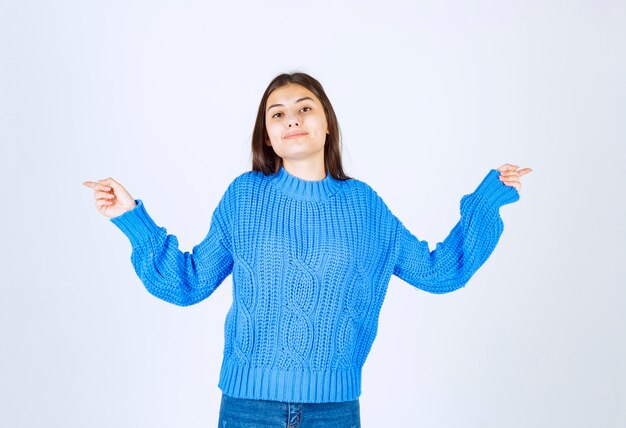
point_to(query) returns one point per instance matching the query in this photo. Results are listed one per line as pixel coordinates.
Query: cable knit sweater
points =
(311, 261)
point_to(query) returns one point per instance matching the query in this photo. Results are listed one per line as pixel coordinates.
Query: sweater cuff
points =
(136, 224)
(495, 191)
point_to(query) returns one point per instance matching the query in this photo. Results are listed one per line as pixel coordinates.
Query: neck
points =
(305, 190)
(306, 169)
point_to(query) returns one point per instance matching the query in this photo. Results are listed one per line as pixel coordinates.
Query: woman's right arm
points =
(181, 278)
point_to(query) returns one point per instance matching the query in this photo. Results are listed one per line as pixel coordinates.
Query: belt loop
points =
(295, 412)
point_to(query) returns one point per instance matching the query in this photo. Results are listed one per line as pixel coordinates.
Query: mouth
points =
(294, 135)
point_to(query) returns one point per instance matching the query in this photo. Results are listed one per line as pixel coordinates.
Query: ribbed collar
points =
(308, 190)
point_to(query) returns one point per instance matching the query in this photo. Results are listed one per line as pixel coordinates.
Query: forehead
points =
(289, 93)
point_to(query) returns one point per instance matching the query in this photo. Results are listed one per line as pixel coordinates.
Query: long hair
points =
(264, 158)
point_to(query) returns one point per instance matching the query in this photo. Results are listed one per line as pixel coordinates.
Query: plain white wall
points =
(430, 95)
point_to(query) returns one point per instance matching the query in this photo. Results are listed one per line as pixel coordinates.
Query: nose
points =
(293, 120)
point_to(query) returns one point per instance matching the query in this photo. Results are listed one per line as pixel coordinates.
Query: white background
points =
(430, 95)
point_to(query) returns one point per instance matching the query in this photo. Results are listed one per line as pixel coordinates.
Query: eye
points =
(276, 115)
(305, 109)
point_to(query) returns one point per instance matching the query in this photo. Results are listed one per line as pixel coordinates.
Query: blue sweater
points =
(311, 261)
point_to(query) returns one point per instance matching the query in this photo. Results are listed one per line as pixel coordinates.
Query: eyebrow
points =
(282, 105)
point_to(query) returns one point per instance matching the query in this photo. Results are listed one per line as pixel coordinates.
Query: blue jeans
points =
(245, 413)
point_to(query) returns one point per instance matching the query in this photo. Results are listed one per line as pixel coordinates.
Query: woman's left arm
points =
(470, 243)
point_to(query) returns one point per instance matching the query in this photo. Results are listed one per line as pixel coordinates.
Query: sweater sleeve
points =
(472, 240)
(181, 278)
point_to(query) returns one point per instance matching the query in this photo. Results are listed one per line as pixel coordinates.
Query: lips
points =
(295, 134)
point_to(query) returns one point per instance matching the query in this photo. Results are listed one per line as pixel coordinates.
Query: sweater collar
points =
(308, 190)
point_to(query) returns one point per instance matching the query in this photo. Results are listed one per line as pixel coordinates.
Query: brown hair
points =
(264, 158)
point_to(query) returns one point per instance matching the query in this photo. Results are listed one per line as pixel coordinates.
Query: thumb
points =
(119, 191)
(109, 182)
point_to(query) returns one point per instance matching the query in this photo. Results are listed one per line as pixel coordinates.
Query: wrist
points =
(136, 223)
(495, 191)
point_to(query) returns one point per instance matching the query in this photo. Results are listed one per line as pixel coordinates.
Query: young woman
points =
(311, 252)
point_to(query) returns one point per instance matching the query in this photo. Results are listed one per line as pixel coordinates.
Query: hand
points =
(112, 199)
(510, 174)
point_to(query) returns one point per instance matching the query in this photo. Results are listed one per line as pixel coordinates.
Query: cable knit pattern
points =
(311, 261)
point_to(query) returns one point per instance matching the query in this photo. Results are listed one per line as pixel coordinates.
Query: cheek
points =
(321, 126)
(271, 132)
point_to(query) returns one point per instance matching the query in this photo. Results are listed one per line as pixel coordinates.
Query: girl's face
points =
(296, 123)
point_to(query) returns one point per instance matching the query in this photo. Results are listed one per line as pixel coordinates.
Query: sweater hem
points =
(293, 386)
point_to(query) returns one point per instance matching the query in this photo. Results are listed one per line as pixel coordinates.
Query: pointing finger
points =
(96, 186)
(524, 171)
